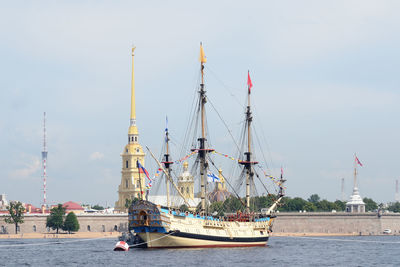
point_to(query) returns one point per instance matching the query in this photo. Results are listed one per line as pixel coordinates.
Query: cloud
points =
(31, 166)
(96, 156)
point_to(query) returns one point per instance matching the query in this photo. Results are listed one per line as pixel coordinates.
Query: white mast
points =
(44, 159)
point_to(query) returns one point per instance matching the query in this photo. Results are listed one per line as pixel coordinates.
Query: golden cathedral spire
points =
(132, 184)
(133, 131)
(133, 105)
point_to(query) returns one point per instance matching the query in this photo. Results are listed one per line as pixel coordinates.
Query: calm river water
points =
(281, 251)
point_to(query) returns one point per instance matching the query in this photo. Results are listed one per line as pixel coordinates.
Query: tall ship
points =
(184, 219)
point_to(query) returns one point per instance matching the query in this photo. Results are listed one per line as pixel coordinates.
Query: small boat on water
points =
(121, 246)
(166, 226)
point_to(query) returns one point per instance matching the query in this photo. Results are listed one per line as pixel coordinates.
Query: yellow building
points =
(186, 182)
(130, 186)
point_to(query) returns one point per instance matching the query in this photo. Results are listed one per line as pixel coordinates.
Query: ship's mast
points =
(248, 157)
(202, 139)
(167, 163)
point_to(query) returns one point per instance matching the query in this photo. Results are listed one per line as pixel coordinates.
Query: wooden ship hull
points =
(163, 228)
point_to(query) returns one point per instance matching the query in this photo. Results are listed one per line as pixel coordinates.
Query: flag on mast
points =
(358, 162)
(202, 58)
(143, 170)
(249, 83)
(211, 178)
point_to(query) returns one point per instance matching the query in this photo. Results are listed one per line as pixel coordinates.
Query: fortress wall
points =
(96, 223)
(391, 221)
(336, 223)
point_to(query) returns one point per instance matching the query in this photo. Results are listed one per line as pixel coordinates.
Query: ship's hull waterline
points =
(182, 240)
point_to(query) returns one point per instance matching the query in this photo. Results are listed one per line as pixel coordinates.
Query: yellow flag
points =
(202, 58)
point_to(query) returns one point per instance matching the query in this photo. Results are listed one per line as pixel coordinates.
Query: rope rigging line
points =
(191, 119)
(263, 136)
(226, 126)
(234, 191)
(275, 180)
(261, 182)
(259, 145)
(225, 86)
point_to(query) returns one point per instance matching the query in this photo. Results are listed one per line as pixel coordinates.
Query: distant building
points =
(186, 188)
(186, 182)
(219, 193)
(73, 207)
(355, 204)
(3, 202)
(31, 209)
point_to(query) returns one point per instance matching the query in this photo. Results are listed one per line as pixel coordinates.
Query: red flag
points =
(358, 162)
(249, 83)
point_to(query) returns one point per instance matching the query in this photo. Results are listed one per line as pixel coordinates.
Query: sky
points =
(325, 76)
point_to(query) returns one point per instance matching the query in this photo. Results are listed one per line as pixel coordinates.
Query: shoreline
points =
(89, 235)
(314, 234)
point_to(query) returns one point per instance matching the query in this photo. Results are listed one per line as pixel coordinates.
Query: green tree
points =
(325, 205)
(218, 207)
(97, 207)
(395, 207)
(340, 205)
(298, 204)
(184, 208)
(232, 204)
(261, 202)
(310, 207)
(284, 204)
(16, 214)
(370, 205)
(314, 198)
(71, 223)
(56, 218)
(128, 203)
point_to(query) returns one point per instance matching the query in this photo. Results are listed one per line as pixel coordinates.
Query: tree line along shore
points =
(313, 204)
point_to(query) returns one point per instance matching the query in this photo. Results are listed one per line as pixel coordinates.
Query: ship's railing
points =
(213, 223)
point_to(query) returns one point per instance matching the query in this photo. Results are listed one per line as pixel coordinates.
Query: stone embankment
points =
(296, 224)
(91, 226)
(326, 223)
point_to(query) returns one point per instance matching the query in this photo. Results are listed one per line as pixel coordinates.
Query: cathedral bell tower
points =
(130, 186)
(186, 182)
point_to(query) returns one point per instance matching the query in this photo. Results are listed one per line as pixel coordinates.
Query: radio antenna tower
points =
(44, 159)
(397, 196)
(343, 196)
